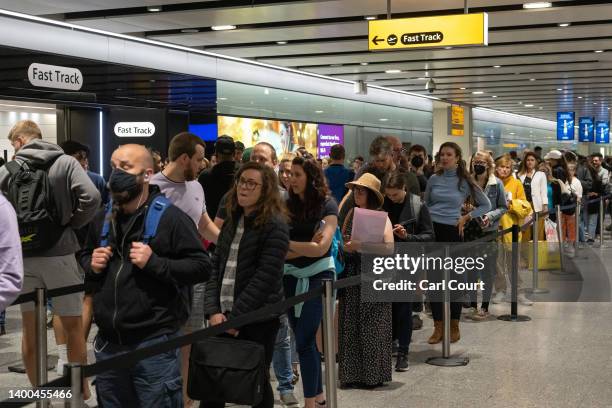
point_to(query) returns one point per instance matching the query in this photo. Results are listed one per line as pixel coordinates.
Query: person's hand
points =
(100, 258)
(140, 254)
(217, 319)
(461, 223)
(317, 237)
(467, 207)
(400, 231)
(233, 332)
(352, 246)
(485, 221)
(592, 194)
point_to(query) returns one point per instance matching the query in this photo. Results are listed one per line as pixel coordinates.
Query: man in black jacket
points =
(218, 180)
(143, 289)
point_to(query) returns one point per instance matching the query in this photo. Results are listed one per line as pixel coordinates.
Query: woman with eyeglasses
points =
(483, 169)
(313, 220)
(248, 261)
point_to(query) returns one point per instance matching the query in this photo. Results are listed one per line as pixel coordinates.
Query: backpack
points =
(29, 191)
(156, 209)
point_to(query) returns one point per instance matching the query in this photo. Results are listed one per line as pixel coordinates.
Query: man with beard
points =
(141, 300)
(178, 182)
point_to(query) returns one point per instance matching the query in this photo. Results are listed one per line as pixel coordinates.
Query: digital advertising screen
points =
(327, 136)
(207, 131)
(565, 125)
(586, 129)
(602, 132)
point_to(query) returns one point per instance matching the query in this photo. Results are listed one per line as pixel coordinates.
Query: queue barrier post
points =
(578, 214)
(329, 348)
(446, 360)
(560, 236)
(535, 248)
(75, 374)
(514, 316)
(601, 222)
(40, 305)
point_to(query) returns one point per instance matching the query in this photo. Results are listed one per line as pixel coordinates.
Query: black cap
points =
(239, 145)
(225, 145)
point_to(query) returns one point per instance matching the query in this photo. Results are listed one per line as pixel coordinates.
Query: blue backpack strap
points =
(154, 214)
(106, 225)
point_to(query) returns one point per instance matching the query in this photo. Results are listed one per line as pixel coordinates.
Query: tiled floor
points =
(561, 358)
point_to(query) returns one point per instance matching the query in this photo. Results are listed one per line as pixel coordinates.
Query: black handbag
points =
(227, 369)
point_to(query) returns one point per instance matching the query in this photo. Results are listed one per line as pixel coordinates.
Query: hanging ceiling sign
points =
(602, 132)
(53, 76)
(586, 129)
(565, 125)
(438, 31)
(457, 120)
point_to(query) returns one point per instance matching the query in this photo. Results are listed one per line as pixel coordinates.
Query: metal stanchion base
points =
(517, 318)
(448, 361)
(537, 291)
(560, 273)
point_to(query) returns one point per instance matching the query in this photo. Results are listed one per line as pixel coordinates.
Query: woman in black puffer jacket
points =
(248, 261)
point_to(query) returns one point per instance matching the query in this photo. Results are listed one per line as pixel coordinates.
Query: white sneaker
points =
(59, 368)
(522, 299)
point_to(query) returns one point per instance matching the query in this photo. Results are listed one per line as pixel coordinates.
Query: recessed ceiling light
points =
(594, 103)
(463, 89)
(151, 80)
(383, 119)
(598, 51)
(580, 97)
(477, 92)
(496, 66)
(559, 89)
(422, 79)
(319, 111)
(190, 30)
(223, 99)
(564, 24)
(363, 63)
(494, 96)
(154, 9)
(537, 5)
(223, 27)
(532, 79)
(528, 105)
(393, 71)
(448, 48)
(266, 91)
(281, 42)
(371, 17)
(512, 133)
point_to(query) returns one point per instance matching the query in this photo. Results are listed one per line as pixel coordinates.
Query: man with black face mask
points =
(142, 298)
(417, 155)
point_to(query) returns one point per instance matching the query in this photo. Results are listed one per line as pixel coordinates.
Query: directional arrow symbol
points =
(376, 40)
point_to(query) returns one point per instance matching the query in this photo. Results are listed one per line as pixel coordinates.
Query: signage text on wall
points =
(134, 129)
(53, 76)
(437, 31)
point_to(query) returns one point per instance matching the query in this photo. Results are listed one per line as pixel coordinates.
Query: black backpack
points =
(30, 193)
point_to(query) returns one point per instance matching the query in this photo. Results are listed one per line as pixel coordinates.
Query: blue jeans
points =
(591, 225)
(153, 382)
(305, 328)
(281, 359)
(3, 317)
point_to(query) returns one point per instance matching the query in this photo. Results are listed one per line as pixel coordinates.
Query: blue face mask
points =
(124, 186)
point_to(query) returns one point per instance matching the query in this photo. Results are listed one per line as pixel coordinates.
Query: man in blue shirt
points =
(337, 175)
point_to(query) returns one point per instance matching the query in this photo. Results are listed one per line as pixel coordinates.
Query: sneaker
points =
(480, 315)
(500, 297)
(471, 312)
(417, 322)
(570, 252)
(289, 399)
(522, 299)
(402, 362)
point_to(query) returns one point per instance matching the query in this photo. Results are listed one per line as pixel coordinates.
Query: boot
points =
(436, 337)
(454, 331)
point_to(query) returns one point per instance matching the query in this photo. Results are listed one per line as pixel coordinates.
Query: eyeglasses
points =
(248, 185)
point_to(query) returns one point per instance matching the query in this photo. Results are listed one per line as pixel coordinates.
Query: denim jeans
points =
(305, 329)
(153, 382)
(3, 317)
(591, 225)
(281, 359)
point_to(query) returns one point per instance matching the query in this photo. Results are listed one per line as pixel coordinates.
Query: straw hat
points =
(372, 183)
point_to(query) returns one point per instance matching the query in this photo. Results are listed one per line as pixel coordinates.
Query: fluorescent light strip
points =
(101, 143)
(26, 106)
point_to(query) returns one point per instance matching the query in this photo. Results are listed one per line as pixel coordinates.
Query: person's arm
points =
(586, 182)
(188, 263)
(208, 229)
(92, 241)
(483, 205)
(268, 275)
(83, 192)
(542, 191)
(11, 260)
(317, 249)
(424, 227)
(501, 205)
(212, 303)
(387, 247)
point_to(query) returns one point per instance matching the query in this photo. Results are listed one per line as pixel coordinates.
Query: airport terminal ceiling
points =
(538, 62)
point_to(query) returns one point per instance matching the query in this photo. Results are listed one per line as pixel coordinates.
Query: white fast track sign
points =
(53, 76)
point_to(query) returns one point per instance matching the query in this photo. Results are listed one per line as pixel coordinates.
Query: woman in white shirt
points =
(536, 189)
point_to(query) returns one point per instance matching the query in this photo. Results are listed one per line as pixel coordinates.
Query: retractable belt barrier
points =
(127, 360)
